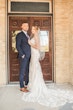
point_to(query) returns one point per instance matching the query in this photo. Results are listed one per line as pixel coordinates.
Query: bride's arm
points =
(37, 44)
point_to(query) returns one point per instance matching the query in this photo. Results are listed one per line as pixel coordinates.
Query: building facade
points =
(59, 22)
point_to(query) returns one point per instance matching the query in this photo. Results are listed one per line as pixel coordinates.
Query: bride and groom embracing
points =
(29, 55)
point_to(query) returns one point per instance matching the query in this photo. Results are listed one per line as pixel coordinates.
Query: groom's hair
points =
(25, 22)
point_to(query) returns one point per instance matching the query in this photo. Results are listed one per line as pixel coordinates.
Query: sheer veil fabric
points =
(38, 91)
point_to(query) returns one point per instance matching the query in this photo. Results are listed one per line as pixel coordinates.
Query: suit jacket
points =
(22, 45)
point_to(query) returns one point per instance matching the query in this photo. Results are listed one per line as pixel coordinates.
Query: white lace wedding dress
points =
(39, 92)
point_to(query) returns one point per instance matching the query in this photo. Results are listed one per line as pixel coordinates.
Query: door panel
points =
(45, 24)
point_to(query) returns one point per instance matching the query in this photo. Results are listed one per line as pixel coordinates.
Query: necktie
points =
(27, 36)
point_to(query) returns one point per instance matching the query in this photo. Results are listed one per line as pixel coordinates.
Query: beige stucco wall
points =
(63, 41)
(61, 36)
(71, 39)
(2, 42)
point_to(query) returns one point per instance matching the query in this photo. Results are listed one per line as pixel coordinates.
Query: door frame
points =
(8, 64)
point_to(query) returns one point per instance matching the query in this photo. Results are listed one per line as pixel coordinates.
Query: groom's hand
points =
(23, 56)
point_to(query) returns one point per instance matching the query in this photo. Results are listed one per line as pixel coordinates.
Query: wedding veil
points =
(42, 53)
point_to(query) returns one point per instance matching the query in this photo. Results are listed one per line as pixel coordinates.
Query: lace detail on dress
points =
(53, 98)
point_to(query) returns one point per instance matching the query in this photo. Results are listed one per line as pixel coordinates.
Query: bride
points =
(38, 91)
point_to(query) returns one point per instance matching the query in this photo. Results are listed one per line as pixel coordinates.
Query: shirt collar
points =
(24, 32)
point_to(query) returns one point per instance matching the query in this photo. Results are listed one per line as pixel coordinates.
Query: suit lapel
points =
(24, 35)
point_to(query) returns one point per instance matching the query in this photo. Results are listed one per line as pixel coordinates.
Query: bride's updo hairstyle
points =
(37, 30)
(36, 27)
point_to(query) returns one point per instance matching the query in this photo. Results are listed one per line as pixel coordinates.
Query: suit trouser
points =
(24, 71)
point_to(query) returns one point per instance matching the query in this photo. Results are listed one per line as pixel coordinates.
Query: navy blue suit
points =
(23, 49)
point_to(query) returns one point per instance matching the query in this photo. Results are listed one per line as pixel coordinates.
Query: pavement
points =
(10, 99)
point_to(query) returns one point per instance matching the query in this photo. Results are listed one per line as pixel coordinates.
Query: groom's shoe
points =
(24, 90)
(25, 87)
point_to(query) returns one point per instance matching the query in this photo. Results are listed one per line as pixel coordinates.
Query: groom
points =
(24, 53)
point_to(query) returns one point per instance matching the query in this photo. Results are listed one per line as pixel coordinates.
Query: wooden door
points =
(45, 24)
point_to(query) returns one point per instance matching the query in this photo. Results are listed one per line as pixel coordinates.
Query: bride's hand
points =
(29, 42)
